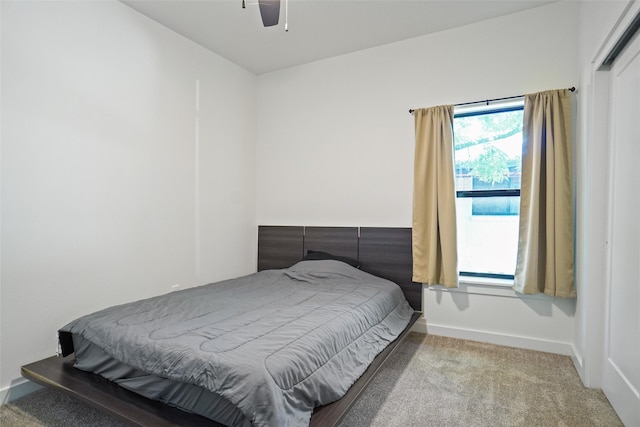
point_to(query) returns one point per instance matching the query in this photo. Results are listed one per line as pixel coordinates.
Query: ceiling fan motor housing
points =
(269, 11)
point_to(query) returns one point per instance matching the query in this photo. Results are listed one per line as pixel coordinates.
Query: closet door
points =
(621, 382)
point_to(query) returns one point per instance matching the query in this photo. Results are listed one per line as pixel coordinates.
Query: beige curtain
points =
(546, 244)
(435, 259)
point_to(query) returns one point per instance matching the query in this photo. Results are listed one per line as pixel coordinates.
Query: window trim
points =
(506, 192)
(471, 274)
(489, 109)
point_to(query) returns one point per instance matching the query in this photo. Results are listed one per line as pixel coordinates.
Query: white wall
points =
(335, 144)
(600, 25)
(128, 157)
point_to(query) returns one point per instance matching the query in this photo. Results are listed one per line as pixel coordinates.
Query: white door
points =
(621, 382)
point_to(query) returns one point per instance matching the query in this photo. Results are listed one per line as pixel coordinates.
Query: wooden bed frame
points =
(385, 252)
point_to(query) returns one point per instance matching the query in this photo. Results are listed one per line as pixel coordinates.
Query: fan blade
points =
(270, 12)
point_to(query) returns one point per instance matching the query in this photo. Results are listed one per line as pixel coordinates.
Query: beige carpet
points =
(439, 381)
(428, 381)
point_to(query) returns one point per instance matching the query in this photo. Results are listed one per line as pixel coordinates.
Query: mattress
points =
(263, 349)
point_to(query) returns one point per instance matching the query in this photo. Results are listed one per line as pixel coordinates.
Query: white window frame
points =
(513, 104)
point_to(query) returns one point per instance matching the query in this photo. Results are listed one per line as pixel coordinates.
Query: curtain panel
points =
(545, 261)
(435, 259)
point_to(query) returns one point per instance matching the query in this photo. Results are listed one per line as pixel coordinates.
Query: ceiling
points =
(317, 29)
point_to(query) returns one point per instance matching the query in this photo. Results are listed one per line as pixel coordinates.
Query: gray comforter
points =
(276, 343)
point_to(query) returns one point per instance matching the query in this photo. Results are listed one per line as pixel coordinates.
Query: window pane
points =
(495, 206)
(486, 243)
(488, 148)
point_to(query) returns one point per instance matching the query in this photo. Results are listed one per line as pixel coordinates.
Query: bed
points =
(294, 353)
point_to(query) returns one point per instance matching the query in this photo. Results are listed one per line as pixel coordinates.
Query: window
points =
(488, 149)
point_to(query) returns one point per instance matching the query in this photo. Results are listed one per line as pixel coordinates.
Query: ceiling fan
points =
(269, 11)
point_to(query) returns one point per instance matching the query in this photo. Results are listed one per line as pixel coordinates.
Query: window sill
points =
(486, 281)
(486, 286)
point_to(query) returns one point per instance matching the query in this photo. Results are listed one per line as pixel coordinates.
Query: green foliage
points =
(491, 165)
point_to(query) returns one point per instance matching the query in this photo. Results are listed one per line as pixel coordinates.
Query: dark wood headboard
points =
(384, 252)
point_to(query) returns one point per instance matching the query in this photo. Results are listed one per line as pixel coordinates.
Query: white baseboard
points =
(576, 357)
(420, 325)
(528, 343)
(622, 394)
(18, 388)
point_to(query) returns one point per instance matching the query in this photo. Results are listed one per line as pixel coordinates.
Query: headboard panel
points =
(384, 252)
(279, 246)
(342, 241)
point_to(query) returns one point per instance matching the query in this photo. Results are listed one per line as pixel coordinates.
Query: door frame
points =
(594, 366)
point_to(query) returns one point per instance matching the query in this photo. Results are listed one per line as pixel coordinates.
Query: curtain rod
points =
(487, 101)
